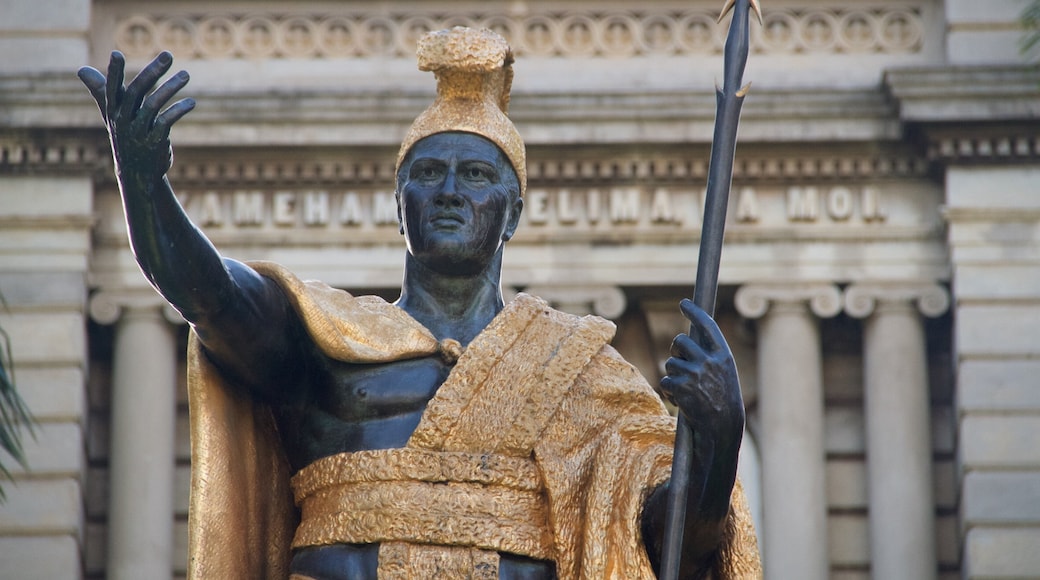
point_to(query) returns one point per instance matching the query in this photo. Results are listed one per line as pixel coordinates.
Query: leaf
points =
(14, 414)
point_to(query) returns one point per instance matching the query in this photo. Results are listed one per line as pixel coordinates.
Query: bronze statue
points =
(446, 434)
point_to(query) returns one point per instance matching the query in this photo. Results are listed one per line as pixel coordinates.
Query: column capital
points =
(606, 301)
(862, 298)
(107, 306)
(754, 300)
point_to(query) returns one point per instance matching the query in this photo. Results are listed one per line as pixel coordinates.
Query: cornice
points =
(345, 117)
(965, 94)
(970, 115)
(587, 165)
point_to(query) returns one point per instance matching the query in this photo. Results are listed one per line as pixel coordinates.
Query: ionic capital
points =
(108, 306)
(606, 301)
(861, 299)
(754, 300)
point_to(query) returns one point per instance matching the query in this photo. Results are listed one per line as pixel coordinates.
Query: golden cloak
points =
(537, 392)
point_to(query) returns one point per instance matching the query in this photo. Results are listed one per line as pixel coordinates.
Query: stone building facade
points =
(880, 282)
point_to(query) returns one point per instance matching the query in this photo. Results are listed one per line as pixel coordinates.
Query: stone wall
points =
(46, 216)
(994, 219)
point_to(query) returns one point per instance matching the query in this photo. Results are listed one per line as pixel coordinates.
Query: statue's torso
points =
(351, 407)
(356, 407)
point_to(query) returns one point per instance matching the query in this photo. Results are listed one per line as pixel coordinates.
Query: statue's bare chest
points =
(351, 407)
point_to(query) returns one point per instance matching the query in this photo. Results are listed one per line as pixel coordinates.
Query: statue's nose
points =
(448, 196)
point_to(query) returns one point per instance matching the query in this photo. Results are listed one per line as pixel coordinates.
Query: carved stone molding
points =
(606, 301)
(862, 299)
(754, 300)
(985, 149)
(108, 306)
(52, 154)
(190, 169)
(358, 32)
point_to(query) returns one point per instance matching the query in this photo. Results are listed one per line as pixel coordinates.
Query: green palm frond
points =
(14, 414)
(1031, 22)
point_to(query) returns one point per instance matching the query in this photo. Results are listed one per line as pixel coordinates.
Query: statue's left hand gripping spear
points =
(728, 99)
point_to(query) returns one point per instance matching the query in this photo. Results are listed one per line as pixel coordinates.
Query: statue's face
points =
(458, 201)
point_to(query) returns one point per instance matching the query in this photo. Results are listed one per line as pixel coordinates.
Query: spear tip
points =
(755, 7)
(725, 10)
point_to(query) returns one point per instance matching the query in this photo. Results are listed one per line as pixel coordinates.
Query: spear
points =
(728, 101)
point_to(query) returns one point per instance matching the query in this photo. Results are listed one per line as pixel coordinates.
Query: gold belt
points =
(486, 501)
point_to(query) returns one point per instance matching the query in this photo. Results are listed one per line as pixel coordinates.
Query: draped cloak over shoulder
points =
(540, 426)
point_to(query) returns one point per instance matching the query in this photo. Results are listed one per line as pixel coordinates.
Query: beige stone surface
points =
(847, 540)
(1017, 280)
(1005, 330)
(846, 484)
(26, 15)
(56, 450)
(46, 338)
(1006, 497)
(39, 196)
(991, 552)
(40, 557)
(43, 506)
(993, 188)
(54, 393)
(999, 386)
(1000, 441)
(42, 53)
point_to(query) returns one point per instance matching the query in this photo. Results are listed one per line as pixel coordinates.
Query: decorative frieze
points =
(804, 167)
(53, 153)
(985, 149)
(356, 31)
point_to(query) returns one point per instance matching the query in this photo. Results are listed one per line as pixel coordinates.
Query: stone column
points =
(794, 517)
(898, 425)
(141, 459)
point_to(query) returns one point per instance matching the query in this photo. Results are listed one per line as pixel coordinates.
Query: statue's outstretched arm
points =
(242, 319)
(702, 381)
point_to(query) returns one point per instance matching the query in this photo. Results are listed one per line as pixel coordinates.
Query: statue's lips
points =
(447, 219)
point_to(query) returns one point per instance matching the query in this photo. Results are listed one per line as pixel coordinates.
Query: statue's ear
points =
(400, 219)
(515, 210)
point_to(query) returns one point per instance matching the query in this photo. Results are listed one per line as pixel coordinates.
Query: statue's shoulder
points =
(348, 328)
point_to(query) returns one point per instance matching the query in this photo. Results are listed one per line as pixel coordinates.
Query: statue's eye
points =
(478, 172)
(426, 172)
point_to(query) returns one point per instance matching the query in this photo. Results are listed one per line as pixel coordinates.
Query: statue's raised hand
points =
(702, 381)
(137, 123)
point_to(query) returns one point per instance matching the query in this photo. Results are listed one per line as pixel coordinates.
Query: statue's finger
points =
(95, 83)
(677, 367)
(114, 85)
(158, 99)
(668, 389)
(167, 118)
(146, 79)
(703, 327)
(685, 347)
